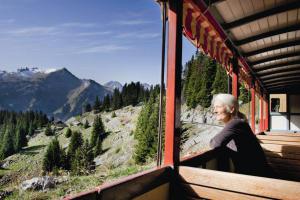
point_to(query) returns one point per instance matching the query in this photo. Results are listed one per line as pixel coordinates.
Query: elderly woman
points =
(237, 138)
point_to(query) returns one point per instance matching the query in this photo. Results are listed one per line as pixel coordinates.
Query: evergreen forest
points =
(15, 127)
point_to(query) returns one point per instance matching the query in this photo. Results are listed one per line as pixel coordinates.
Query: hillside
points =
(115, 162)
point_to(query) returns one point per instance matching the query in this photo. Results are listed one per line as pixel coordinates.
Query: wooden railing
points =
(143, 186)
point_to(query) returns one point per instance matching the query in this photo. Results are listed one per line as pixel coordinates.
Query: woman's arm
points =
(224, 137)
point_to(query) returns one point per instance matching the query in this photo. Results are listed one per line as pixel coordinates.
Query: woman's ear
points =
(232, 110)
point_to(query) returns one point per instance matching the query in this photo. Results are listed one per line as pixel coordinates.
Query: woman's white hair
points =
(228, 100)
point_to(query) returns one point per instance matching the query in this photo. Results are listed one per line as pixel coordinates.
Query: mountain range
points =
(114, 85)
(57, 93)
(117, 85)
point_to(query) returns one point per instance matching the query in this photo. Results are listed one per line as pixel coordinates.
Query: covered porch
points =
(257, 42)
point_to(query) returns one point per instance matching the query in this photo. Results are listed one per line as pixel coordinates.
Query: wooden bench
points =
(283, 153)
(196, 183)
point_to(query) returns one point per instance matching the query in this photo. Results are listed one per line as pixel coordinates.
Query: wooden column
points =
(267, 114)
(172, 135)
(261, 114)
(252, 109)
(229, 84)
(235, 77)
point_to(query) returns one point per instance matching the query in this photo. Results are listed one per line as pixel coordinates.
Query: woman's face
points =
(221, 113)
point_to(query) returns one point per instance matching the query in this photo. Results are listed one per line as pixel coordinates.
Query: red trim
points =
(188, 22)
(261, 114)
(172, 139)
(266, 121)
(211, 18)
(235, 84)
(129, 178)
(84, 194)
(253, 109)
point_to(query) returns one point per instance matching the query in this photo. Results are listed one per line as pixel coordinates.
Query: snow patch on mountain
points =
(114, 85)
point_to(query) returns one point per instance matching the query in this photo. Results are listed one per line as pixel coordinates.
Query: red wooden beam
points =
(235, 84)
(235, 77)
(261, 114)
(253, 109)
(172, 135)
(266, 108)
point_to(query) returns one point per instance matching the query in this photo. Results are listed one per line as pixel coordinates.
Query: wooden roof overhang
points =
(264, 35)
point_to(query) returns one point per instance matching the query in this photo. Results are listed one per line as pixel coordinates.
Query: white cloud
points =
(148, 35)
(103, 49)
(7, 21)
(94, 33)
(137, 35)
(35, 31)
(78, 25)
(132, 22)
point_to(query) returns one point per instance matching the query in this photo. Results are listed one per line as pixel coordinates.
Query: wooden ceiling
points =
(267, 35)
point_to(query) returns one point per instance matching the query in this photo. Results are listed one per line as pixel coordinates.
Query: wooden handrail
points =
(200, 158)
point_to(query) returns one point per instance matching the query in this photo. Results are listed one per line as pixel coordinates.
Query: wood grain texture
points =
(251, 185)
(196, 191)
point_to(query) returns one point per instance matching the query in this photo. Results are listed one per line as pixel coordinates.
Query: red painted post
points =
(235, 77)
(235, 84)
(172, 132)
(266, 101)
(253, 109)
(261, 114)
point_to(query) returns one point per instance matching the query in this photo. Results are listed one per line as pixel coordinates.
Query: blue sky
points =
(101, 40)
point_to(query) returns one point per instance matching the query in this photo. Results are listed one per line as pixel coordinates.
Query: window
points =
(275, 104)
(278, 103)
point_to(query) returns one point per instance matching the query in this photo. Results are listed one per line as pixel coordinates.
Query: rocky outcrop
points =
(42, 183)
(38, 183)
(4, 194)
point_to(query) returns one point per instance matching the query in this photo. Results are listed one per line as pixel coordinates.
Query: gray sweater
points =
(242, 146)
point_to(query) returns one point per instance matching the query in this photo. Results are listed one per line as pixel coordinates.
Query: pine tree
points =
(187, 75)
(141, 149)
(20, 140)
(7, 147)
(98, 147)
(31, 129)
(76, 141)
(116, 101)
(97, 104)
(53, 156)
(48, 131)
(68, 133)
(195, 81)
(82, 162)
(147, 130)
(97, 131)
(87, 107)
(243, 96)
(220, 83)
(204, 96)
(106, 103)
(86, 124)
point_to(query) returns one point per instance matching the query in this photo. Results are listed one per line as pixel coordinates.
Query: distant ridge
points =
(111, 85)
(57, 93)
(114, 85)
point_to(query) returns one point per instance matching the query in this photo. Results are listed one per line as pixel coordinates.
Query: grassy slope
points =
(118, 144)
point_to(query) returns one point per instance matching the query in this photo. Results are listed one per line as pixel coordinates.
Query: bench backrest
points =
(198, 183)
(283, 153)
